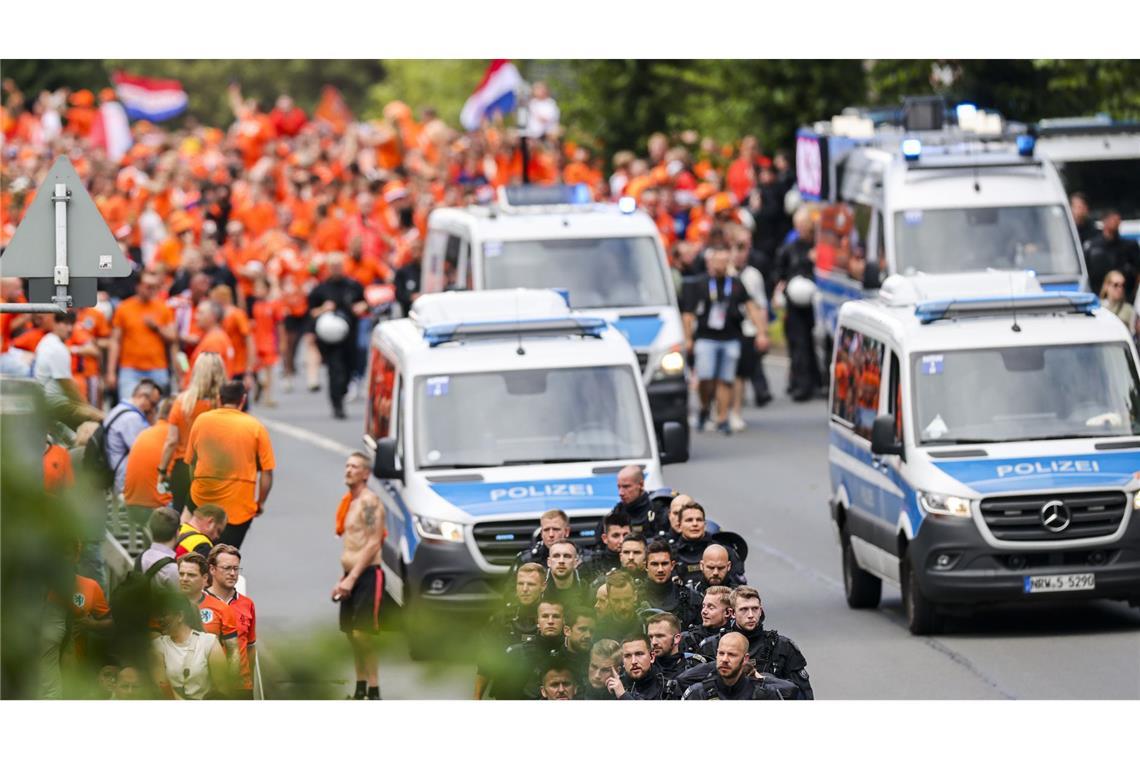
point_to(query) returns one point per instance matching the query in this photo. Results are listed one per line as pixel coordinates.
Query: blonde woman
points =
(1112, 298)
(187, 663)
(201, 395)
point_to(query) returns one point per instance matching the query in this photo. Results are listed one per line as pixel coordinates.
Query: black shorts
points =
(295, 324)
(360, 611)
(746, 366)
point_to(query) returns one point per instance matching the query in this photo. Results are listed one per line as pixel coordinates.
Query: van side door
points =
(900, 499)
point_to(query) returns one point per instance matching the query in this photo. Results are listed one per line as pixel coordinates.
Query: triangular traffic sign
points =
(92, 250)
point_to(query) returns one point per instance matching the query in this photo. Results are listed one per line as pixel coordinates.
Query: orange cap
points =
(82, 98)
(723, 202)
(704, 190)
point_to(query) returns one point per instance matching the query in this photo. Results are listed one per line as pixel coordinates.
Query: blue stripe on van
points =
(639, 331)
(537, 496)
(1098, 470)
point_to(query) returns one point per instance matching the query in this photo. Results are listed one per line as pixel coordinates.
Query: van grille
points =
(642, 360)
(499, 542)
(1018, 518)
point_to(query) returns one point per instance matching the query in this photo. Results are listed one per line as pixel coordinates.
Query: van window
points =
(843, 380)
(434, 248)
(867, 370)
(861, 234)
(381, 383)
(451, 263)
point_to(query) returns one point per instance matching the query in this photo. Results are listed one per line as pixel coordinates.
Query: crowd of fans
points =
(659, 609)
(236, 236)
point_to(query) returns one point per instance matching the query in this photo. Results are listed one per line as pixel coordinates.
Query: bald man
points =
(633, 501)
(735, 677)
(716, 568)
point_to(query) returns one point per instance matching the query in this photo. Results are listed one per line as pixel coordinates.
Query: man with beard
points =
(664, 632)
(620, 619)
(716, 570)
(662, 591)
(562, 581)
(734, 677)
(642, 679)
(607, 557)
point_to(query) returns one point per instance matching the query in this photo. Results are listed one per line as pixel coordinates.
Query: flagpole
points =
(523, 117)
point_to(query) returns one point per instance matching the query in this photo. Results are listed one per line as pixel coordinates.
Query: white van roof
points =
(921, 313)
(479, 331)
(596, 220)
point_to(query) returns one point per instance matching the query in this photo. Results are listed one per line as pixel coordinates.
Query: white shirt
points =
(753, 283)
(53, 363)
(542, 116)
(187, 665)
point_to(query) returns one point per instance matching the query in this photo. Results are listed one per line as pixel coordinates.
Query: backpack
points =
(137, 599)
(95, 459)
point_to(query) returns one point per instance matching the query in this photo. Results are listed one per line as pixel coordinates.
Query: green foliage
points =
(442, 85)
(34, 76)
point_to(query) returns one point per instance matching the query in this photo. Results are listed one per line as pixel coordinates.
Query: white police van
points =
(485, 410)
(607, 257)
(984, 448)
(936, 191)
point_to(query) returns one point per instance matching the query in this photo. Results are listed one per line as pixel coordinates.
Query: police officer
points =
(662, 590)
(664, 632)
(715, 571)
(580, 623)
(690, 549)
(563, 583)
(734, 678)
(796, 259)
(514, 623)
(641, 678)
(524, 662)
(553, 525)
(607, 557)
(620, 618)
(634, 502)
(772, 653)
(605, 663)
(715, 619)
(557, 681)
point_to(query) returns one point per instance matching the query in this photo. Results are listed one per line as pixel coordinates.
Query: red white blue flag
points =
(497, 93)
(150, 99)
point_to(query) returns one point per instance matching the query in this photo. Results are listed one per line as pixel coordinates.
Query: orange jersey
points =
(140, 488)
(236, 325)
(246, 615)
(267, 315)
(216, 341)
(87, 600)
(184, 422)
(218, 618)
(28, 339)
(226, 450)
(141, 347)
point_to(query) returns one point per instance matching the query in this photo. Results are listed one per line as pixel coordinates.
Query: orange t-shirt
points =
(28, 339)
(184, 423)
(267, 315)
(218, 618)
(141, 347)
(226, 449)
(246, 615)
(87, 599)
(58, 472)
(236, 325)
(140, 488)
(216, 341)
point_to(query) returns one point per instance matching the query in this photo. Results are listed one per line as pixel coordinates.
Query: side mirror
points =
(871, 275)
(385, 466)
(674, 443)
(883, 436)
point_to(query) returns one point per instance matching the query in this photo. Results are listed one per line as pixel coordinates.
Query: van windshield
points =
(942, 241)
(1026, 393)
(534, 416)
(599, 273)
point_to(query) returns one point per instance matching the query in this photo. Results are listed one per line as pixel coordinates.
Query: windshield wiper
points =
(550, 460)
(460, 466)
(955, 441)
(1064, 436)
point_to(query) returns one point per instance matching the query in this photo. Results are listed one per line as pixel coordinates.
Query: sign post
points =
(64, 240)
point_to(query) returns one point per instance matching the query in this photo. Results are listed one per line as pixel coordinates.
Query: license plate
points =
(1037, 584)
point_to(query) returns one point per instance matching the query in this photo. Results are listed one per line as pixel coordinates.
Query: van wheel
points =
(862, 589)
(922, 618)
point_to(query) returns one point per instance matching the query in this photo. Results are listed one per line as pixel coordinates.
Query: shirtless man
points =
(360, 520)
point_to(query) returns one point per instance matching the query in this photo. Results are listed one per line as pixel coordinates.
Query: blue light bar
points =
(549, 195)
(1024, 303)
(1025, 145)
(436, 335)
(965, 111)
(911, 148)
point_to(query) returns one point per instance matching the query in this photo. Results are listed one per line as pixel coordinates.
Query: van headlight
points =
(941, 504)
(439, 530)
(1136, 500)
(673, 363)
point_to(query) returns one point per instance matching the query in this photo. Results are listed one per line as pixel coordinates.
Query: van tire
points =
(863, 590)
(922, 617)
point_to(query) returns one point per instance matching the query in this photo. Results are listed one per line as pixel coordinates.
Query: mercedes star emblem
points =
(1055, 516)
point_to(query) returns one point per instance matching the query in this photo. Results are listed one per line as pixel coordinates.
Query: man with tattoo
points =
(360, 520)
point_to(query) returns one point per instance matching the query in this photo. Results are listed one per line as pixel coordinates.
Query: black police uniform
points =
(694, 637)
(537, 553)
(523, 665)
(772, 653)
(1103, 254)
(617, 628)
(344, 292)
(576, 595)
(641, 514)
(713, 687)
(673, 665)
(689, 553)
(671, 596)
(799, 322)
(653, 685)
(512, 624)
(588, 692)
(699, 586)
(599, 562)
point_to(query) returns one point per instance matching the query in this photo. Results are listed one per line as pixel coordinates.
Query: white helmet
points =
(331, 327)
(800, 290)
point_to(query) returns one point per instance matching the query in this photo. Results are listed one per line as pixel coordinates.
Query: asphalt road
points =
(770, 484)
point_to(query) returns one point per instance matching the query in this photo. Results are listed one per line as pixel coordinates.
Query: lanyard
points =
(727, 288)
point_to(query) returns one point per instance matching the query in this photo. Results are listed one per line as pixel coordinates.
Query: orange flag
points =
(332, 110)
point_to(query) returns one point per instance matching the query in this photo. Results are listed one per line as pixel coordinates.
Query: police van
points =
(607, 257)
(1099, 157)
(932, 190)
(485, 410)
(984, 448)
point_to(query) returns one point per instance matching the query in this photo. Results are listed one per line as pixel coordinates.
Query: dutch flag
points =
(495, 94)
(150, 99)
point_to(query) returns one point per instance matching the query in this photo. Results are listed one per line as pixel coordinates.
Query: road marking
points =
(307, 436)
(795, 564)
